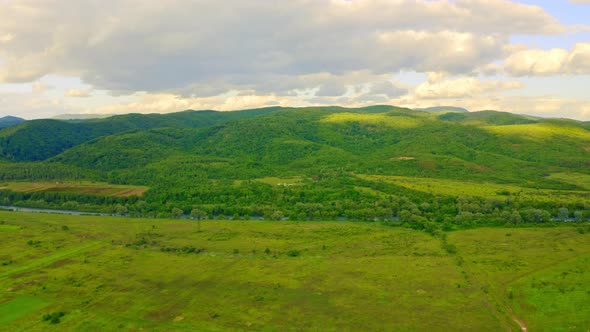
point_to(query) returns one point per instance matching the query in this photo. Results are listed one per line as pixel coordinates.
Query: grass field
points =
(541, 130)
(275, 181)
(79, 187)
(488, 190)
(107, 273)
(375, 119)
(578, 179)
(19, 307)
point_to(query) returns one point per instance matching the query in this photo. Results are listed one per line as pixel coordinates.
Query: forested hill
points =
(383, 139)
(284, 159)
(41, 139)
(8, 121)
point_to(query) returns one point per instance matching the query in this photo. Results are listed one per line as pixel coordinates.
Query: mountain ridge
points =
(307, 163)
(8, 121)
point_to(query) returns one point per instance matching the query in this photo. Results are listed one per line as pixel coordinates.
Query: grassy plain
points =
(393, 121)
(578, 179)
(108, 273)
(78, 187)
(276, 181)
(455, 188)
(540, 131)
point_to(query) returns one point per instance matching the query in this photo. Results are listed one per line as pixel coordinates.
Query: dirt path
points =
(520, 323)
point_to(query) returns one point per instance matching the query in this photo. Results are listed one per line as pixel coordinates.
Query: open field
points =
(276, 181)
(541, 130)
(78, 187)
(374, 119)
(453, 187)
(107, 273)
(578, 179)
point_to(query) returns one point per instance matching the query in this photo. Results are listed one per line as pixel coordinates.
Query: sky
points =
(144, 56)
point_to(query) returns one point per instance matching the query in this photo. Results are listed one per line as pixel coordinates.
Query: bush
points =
(54, 317)
(450, 248)
(293, 253)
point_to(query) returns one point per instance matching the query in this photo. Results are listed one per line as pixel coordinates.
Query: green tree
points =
(198, 215)
(563, 214)
(176, 212)
(579, 216)
(515, 217)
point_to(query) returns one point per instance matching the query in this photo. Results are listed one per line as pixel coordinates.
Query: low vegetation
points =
(436, 221)
(78, 187)
(429, 171)
(107, 273)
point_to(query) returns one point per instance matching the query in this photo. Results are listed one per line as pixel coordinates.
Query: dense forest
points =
(429, 170)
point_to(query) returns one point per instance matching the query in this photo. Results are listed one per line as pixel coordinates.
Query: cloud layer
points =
(131, 45)
(550, 62)
(300, 51)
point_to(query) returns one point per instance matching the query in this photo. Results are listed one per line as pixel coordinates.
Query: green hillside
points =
(41, 139)
(344, 160)
(89, 273)
(8, 121)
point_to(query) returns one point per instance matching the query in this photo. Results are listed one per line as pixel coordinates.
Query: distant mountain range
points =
(82, 116)
(443, 109)
(8, 121)
(449, 139)
(336, 160)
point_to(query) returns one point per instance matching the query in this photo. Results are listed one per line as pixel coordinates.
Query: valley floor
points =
(107, 273)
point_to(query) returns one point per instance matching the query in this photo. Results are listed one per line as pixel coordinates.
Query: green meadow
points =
(392, 121)
(75, 187)
(451, 187)
(86, 273)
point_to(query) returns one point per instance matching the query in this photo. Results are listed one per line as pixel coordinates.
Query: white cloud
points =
(39, 87)
(154, 56)
(545, 106)
(550, 62)
(579, 59)
(34, 105)
(332, 88)
(126, 45)
(5, 38)
(78, 93)
(387, 89)
(538, 62)
(166, 103)
(437, 88)
(580, 1)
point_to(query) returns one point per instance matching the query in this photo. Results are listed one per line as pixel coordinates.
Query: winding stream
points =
(35, 210)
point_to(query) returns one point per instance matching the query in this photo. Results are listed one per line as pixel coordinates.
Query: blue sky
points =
(568, 13)
(112, 57)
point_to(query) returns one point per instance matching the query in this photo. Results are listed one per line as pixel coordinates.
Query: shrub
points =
(293, 253)
(54, 317)
(450, 248)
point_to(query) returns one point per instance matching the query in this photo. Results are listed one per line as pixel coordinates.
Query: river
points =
(70, 212)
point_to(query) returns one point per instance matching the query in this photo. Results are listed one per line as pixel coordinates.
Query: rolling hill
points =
(9, 121)
(486, 145)
(443, 109)
(41, 139)
(343, 161)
